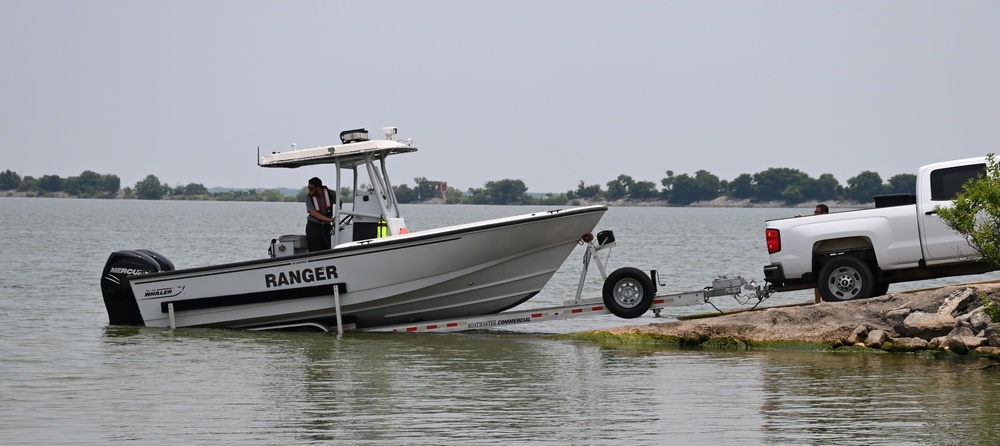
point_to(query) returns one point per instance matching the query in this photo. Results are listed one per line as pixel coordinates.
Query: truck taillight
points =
(773, 241)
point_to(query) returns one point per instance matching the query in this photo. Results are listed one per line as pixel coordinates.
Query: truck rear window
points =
(946, 183)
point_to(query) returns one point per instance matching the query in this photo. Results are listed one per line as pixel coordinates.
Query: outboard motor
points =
(118, 297)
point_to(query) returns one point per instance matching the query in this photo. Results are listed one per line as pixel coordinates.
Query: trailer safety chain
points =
(761, 293)
(709, 301)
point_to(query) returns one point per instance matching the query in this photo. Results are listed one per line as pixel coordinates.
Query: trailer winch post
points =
(592, 251)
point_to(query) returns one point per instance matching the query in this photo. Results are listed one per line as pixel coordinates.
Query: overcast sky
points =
(548, 92)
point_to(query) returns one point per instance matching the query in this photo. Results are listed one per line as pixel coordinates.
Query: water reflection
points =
(304, 388)
(366, 387)
(852, 398)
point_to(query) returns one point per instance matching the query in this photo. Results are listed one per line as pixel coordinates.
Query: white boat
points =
(366, 279)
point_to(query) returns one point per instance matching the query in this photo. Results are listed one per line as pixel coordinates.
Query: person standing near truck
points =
(820, 210)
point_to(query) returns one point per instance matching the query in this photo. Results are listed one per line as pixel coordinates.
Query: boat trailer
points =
(628, 293)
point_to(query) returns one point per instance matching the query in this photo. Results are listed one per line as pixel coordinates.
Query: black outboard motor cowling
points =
(118, 297)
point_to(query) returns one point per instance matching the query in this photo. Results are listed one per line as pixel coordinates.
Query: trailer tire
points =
(846, 278)
(628, 293)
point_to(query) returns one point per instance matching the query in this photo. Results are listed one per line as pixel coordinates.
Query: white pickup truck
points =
(857, 254)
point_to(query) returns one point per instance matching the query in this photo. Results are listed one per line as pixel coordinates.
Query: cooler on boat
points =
(290, 244)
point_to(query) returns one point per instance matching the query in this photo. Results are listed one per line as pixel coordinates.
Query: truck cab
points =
(944, 181)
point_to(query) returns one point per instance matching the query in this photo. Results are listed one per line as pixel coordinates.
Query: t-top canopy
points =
(347, 155)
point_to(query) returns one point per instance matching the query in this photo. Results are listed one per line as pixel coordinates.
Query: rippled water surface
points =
(66, 377)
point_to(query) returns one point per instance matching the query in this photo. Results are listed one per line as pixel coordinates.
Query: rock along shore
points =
(953, 320)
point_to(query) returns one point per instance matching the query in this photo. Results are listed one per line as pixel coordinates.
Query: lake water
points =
(66, 377)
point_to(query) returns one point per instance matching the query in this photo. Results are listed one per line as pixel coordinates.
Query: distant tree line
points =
(150, 188)
(785, 185)
(93, 185)
(506, 191)
(88, 185)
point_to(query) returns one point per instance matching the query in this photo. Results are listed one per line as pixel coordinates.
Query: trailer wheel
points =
(628, 293)
(846, 278)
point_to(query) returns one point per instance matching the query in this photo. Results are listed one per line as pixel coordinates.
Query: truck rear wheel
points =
(628, 293)
(846, 278)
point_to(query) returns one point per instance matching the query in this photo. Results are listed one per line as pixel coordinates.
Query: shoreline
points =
(952, 320)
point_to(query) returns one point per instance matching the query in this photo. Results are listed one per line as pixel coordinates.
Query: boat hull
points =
(465, 270)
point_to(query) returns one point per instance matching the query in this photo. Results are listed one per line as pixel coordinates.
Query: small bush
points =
(990, 308)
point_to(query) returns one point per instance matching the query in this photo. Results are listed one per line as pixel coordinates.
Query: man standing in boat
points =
(319, 223)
